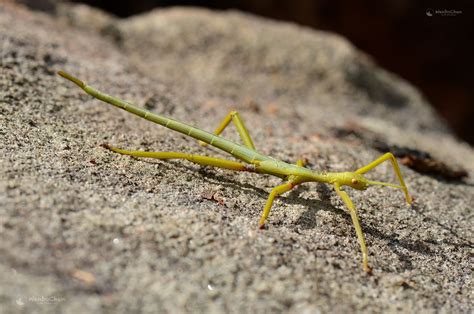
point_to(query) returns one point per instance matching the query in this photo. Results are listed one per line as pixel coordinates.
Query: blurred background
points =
(429, 43)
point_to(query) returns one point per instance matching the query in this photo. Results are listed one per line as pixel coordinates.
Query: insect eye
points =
(354, 181)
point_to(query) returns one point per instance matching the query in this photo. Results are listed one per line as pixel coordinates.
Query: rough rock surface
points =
(85, 230)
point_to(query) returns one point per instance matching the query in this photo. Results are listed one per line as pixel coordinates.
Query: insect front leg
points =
(396, 168)
(355, 220)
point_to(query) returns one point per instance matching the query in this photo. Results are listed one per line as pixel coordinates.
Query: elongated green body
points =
(256, 162)
(267, 164)
(232, 148)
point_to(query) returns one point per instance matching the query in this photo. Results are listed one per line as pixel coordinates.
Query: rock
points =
(141, 235)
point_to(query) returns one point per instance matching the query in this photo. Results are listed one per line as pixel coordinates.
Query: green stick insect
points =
(252, 160)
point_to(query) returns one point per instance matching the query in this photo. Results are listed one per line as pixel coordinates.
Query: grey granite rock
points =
(84, 230)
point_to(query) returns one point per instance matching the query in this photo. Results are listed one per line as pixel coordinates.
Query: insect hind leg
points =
(198, 159)
(235, 118)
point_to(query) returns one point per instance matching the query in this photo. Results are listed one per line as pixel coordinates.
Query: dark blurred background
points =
(432, 50)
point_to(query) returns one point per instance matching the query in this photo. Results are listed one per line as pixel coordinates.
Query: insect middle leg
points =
(198, 159)
(278, 190)
(396, 168)
(234, 117)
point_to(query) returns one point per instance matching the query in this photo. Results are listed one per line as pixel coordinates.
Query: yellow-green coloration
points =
(253, 161)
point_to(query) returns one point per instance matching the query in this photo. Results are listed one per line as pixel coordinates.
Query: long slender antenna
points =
(386, 184)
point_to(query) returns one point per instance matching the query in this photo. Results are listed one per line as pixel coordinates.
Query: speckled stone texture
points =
(86, 230)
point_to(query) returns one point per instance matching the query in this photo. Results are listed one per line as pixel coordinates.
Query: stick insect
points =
(253, 161)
